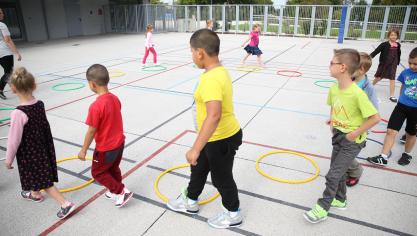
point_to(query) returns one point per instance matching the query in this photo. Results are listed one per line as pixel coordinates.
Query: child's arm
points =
(89, 137)
(369, 123)
(148, 40)
(377, 50)
(17, 123)
(247, 40)
(214, 113)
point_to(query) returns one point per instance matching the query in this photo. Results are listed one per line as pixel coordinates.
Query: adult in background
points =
(7, 48)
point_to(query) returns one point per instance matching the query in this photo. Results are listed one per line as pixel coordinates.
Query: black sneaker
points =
(402, 139)
(64, 212)
(405, 159)
(378, 160)
(393, 99)
(2, 96)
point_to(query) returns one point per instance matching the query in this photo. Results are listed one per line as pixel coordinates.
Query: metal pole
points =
(265, 19)
(405, 24)
(250, 17)
(329, 22)
(384, 25)
(313, 18)
(223, 18)
(198, 17)
(365, 22)
(281, 13)
(297, 8)
(237, 19)
(346, 32)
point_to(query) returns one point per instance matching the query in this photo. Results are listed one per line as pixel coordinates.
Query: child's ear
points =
(13, 88)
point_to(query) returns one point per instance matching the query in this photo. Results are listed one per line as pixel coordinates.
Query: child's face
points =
(413, 64)
(337, 68)
(360, 72)
(257, 29)
(210, 24)
(393, 37)
(198, 56)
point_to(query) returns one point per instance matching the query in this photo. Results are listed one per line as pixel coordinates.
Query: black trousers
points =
(7, 63)
(217, 157)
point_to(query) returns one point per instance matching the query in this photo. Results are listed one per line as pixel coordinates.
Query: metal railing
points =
(363, 22)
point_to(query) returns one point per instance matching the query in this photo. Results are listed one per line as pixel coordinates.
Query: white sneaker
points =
(182, 204)
(224, 220)
(123, 198)
(110, 196)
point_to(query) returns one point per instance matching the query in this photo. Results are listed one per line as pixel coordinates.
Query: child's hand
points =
(351, 136)
(328, 122)
(81, 155)
(8, 165)
(192, 156)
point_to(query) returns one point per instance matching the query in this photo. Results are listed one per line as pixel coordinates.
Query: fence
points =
(363, 22)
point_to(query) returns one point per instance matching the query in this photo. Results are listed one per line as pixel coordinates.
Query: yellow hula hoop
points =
(165, 199)
(78, 186)
(116, 73)
(285, 180)
(248, 68)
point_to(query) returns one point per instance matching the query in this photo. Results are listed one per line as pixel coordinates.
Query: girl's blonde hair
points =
(148, 28)
(254, 26)
(23, 80)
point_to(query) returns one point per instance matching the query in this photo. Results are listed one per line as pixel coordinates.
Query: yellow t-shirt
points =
(351, 108)
(216, 85)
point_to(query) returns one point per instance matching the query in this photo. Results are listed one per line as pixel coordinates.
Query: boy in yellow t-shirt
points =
(219, 135)
(351, 115)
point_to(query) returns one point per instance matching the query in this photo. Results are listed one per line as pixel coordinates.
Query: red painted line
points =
(305, 44)
(325, 157)
(101, 192)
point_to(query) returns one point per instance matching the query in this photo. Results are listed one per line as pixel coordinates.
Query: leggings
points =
(147, 53)
(7, 63)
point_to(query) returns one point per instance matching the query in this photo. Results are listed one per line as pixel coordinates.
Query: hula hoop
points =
(285, 180)
(6, 109)
(165, 199)
(57, 87)
(154, 68)
(65, 190)
(248, 68)
(116, 73)
(318, 83)
(380, 131)
(283, 73)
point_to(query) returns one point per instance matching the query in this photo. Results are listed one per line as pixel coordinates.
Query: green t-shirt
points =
(351, 108)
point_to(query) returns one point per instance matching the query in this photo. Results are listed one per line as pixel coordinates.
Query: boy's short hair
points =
(413, 53)
(206, 40)
(365, 61)
(349, 57)
(98, 74)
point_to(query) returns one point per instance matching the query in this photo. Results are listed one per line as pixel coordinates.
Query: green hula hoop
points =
(6, 109)
(154, 68)
(57, 87)
(318, 83)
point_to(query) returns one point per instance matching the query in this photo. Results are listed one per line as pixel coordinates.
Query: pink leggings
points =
(147, 53)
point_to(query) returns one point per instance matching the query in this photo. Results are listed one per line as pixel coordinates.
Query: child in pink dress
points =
(149, 46)
(252, 47)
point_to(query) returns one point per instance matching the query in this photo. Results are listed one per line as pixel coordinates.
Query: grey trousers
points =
(344, 152)
(355, 169)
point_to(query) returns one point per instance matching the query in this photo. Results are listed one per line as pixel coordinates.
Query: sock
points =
(191, 202)
(407, 153)
(384, 156)
(233, 213)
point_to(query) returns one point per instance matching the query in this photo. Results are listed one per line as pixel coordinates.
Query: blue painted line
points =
(183, 82)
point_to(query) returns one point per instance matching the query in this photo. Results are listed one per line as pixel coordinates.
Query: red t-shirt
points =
(105, 115)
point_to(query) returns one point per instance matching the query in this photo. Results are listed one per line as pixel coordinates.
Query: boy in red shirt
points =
(106, 127)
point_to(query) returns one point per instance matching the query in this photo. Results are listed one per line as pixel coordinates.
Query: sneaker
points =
(182, 204)
(2, 96)
(28, 196)
(393, 99)
(402, 139)
(123, 198)
(64, 212)
(351, 181)
(224, 220)
(338, 204)
(316, 214)
(378, 160)
(110, 196)
(405, 159)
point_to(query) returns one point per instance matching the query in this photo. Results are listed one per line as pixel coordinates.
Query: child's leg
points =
(221, 155)
(145, 56)
(259, 60)
(154, 54)
(376, 80)
(411, 130)
(410, 142)
(246, 57)
(336, 177)
(389, 141)
(355, 169)
(198, 177)
(115, 169)
(100, 170)
(55, 194)
(392, 88)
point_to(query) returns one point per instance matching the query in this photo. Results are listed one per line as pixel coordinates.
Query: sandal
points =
(28, 196)
(405, 159)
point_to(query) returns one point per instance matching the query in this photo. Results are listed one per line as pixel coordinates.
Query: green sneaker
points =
(316, 214)
(339, 205)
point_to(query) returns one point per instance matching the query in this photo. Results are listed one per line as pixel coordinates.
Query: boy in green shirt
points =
(351, 115)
